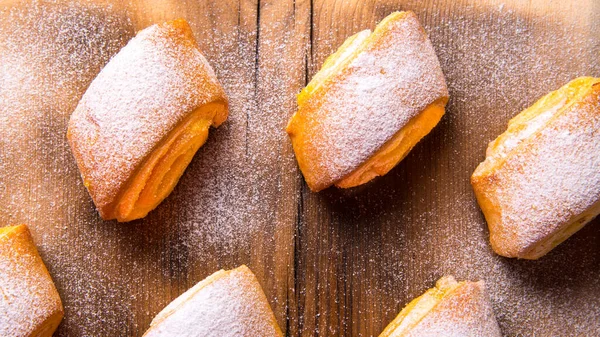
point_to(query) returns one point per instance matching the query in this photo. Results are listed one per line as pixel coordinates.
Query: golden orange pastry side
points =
(540, 181)
(142, 120)
(370, 103)
(29, 302)
(227, 303)
(455, 308)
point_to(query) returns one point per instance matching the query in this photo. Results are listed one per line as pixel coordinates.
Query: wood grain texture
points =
(336, 263)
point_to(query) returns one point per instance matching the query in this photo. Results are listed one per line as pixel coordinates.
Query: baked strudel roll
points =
(450, 309)
(370, 103)
(29, 302)
(143, 118)
(227, 303)
(540, 181)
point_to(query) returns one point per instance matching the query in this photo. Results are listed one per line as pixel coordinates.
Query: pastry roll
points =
(143, 118)
(370, 103)
(540, 181)
(29, 302)
(227, 303)
(451, 308)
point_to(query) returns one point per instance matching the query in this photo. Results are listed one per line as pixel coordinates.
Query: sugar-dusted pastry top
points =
(157, 80)
(29, 302)
(227, 303)
(363, 96)
(540, 181)
(452, 308)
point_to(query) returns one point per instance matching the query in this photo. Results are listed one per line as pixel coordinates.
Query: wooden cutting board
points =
(336, 263)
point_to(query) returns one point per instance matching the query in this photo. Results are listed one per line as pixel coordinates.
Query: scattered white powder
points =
(371, 250)
(369, 240)
(49, 53)
(115, 277)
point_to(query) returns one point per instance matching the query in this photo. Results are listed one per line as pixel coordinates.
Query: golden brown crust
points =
(227, 303)
(364, 95)
(29, 302)
(455, 309)
(144, 93)
(540, 182)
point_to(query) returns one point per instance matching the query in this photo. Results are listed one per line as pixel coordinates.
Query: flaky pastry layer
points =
(396, 148)
(159, 174)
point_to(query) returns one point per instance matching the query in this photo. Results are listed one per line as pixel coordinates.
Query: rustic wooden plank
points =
(365, 253)
(282, 37)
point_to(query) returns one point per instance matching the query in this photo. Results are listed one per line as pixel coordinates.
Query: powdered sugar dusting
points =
(496, 64)
(466, 312)
(49, 53)
(493, 73)
(381, 248)
(230, 195)
(383, 244)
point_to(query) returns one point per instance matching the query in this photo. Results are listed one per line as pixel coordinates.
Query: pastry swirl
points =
(370, 103)
(143, 118)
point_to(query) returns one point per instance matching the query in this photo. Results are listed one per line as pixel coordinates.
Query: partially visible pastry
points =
(540, 181)
(143, 118)
(370, 103)
(227, 303)
(460, 309)
(29, 302)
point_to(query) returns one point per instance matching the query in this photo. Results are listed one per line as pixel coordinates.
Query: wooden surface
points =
(337, 263)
